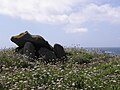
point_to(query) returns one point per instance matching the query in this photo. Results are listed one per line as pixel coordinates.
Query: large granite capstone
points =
(36, 46)
(37, 40)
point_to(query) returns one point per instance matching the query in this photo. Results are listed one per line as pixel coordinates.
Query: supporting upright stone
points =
(47, 54)
(29, 50)
(59, 51)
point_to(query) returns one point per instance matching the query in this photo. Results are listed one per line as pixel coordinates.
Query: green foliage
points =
(82, 71)
(82, 58)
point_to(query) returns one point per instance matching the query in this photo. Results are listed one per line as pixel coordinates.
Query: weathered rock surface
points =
(37, 40)
(29, 50)
(21, 39)
(47, 54)
(59, 51)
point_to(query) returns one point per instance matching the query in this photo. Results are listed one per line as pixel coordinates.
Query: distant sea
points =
(106, 50)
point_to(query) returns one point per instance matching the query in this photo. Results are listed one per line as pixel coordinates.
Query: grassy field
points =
(81, 71)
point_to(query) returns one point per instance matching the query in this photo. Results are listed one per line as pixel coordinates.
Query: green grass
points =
(82, 71)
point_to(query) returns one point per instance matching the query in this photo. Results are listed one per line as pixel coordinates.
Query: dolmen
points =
(35, 46)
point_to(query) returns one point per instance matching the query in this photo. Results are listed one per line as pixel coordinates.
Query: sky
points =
(87, 23)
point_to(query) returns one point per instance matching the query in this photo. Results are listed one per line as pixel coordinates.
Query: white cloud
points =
(73, 13)
(76, 30)
(95, 13)
(45, 11)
